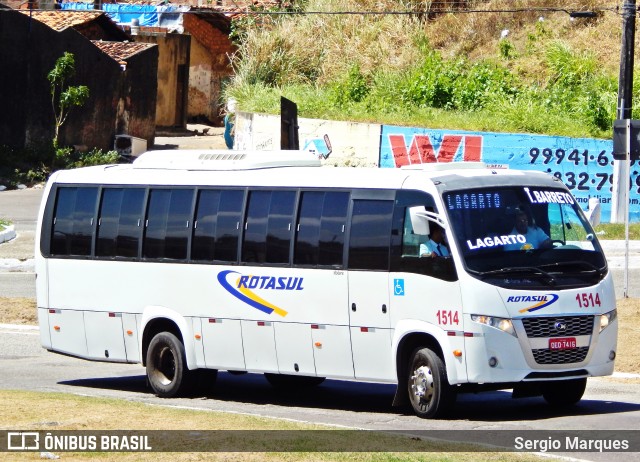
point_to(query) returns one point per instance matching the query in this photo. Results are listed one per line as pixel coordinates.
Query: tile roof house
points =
(121, 78)
(191, 74)
(94, 25)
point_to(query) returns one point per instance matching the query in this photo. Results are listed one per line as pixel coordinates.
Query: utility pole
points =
(620, 193)
(622, 163)
(625, 81)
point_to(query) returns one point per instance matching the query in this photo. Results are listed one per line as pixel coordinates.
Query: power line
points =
(200, 10)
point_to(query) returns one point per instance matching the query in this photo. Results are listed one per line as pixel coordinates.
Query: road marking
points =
(19, 329)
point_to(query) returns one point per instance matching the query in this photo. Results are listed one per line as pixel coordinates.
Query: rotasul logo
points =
(242, 287)
(538, 301)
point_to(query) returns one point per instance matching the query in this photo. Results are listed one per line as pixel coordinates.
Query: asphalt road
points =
(608, 403)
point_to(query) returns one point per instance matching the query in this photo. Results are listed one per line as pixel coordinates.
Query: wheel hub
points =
(166, 366)
(422, 383)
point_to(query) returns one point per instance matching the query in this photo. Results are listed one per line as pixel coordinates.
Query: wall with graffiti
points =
(585, 165)
(333, 142)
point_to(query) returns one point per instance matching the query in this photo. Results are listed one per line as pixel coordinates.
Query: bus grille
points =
(575, 355)
(548, 327)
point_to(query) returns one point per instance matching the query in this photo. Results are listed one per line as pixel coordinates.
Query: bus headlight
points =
(607, 319)
(503, 324)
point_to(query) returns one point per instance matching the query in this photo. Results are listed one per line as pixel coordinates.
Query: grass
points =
(616, 231)
(450, 69)
(31, 411)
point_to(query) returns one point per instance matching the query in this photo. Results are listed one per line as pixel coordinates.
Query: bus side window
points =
(410, 229)
(269, 227)
(167, 224)
(120, 222)
(370, 237)
(416, 232)
(280, 226)
(321, 228)
(217, 225)
(73, 221)
(332, 228)
(205, 225)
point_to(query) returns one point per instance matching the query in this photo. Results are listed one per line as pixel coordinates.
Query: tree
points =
(63, 96)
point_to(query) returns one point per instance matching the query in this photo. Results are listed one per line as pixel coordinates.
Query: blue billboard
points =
(585, 165)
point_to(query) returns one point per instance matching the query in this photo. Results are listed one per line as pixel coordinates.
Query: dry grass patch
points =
(30, 411)
(18, 311)
(628, 359)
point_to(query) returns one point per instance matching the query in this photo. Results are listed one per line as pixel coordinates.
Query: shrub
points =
(354, 88)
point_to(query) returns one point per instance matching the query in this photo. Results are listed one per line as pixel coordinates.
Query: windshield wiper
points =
(531, 270)
(591, 268)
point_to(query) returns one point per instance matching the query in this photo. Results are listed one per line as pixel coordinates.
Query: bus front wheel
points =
(166, 365)
(563, 393)
(430, 393)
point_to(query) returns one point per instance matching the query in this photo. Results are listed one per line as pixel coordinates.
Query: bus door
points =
(368, 301)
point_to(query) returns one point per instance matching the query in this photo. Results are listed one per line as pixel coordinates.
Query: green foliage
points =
(402, 71)
(569, 69)
(482, 82)
(33, 165)
(64, 96)
(506, 48)
(354, 88)
(67, 158)
(430, 85)
(24, 166)
(94, 157)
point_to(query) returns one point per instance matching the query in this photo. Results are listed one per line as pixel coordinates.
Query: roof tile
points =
(60, 20)
(121, 51)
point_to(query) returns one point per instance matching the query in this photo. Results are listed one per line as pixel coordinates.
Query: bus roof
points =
(290, 169)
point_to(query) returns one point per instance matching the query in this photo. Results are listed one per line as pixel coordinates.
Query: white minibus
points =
(191, 262)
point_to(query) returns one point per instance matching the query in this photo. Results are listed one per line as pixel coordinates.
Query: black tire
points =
(166, 366)
(291, 382)
(430, 393)
(564, 393)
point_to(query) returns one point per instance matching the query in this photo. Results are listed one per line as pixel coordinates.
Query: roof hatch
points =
(198, 159)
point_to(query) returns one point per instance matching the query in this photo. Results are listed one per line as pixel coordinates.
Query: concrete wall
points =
(335, 143)
(172, 78)
(209, 68)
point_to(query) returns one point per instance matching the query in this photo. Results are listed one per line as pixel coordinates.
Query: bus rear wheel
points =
(564, 393)
(166, 365)
(430, 393)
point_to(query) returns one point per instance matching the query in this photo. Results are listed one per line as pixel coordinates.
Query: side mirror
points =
(419, 221)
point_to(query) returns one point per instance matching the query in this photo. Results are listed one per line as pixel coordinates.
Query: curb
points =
(7, 234)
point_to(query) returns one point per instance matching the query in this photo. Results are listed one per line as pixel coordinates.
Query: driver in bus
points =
(436, 245)
(535, 237)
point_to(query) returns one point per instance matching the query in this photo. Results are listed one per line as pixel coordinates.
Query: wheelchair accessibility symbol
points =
(398, 287)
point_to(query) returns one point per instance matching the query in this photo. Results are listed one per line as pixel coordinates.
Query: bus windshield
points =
(525, 237)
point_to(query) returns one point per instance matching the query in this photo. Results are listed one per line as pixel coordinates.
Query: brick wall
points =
(209, 37)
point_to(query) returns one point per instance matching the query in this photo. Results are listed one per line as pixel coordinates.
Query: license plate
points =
(562, 343)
